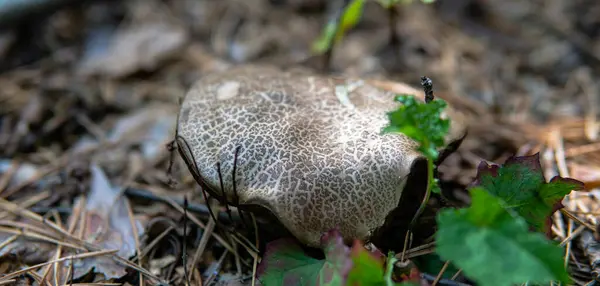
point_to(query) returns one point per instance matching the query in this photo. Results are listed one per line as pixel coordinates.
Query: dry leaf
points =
(107, 226)
(134, 49)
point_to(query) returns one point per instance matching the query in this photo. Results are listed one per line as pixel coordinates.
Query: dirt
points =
(106, 76)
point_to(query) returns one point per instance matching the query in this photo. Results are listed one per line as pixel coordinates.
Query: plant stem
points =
(391, 260)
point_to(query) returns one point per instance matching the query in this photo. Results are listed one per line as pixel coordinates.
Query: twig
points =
(184, 244)
(136, 240)
(193, 219)
(440, 274)
(255, 264)
(576, 219)
(208, 231)
(573, 235)
(8, 175)
(34, 235)
(9, 241)
(456, 274)
(77, 256)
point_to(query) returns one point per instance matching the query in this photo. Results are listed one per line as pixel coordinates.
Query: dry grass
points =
(526, 81)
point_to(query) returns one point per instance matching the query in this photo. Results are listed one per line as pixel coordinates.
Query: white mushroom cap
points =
(310, 148)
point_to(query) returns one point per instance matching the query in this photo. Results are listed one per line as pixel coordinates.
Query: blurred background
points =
(89, 94)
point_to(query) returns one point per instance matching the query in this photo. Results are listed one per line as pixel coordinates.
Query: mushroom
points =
(307, 147)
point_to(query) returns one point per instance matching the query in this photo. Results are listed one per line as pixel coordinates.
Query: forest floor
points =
(89, 97)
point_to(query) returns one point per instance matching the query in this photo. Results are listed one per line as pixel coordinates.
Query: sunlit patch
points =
(228, 90)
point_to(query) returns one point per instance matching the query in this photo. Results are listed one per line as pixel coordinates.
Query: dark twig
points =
(224, 197)
(72, 269)
(235, 194)
(206, 200)
(184, 244)
(193, 166)
(196, 175)
(427, 85)
(171, 148)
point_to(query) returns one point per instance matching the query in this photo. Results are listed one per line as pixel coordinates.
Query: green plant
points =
(337, 26)
(498, 239)
(493, 245)
(285, 263)
(422, 122)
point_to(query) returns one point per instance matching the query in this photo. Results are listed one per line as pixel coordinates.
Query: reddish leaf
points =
(285, 263)
(368, 266)
(521, 185)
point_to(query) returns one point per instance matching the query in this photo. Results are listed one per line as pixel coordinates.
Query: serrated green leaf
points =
(494, 247)
(522, 187)
(558, 188)
(420, 121)
(285, 263)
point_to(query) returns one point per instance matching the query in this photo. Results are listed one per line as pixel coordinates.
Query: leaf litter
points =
(107, 225)
(48, 106)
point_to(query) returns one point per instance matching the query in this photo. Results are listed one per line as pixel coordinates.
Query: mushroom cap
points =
(310, 152)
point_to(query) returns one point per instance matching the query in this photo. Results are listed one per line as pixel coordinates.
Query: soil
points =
(106, 76)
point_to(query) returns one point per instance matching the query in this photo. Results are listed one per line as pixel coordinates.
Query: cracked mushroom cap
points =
(310, 148)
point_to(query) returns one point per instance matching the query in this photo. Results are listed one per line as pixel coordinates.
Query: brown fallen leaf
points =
(132, 49)
(150, 128)
(107, 225)
(589, 174)
(153, 126)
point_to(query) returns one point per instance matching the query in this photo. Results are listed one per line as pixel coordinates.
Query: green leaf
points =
(420, 121)
(493, 245)
(285, 263)
(367, 269)
(334, 32)
(520, 183)
(325, 40)
(351, 16)
(374, 269)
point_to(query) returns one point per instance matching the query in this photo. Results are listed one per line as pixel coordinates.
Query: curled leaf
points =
(521, 185)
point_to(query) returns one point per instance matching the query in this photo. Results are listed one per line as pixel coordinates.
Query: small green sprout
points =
(334, 30)
(336, 27)
(422, 122)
